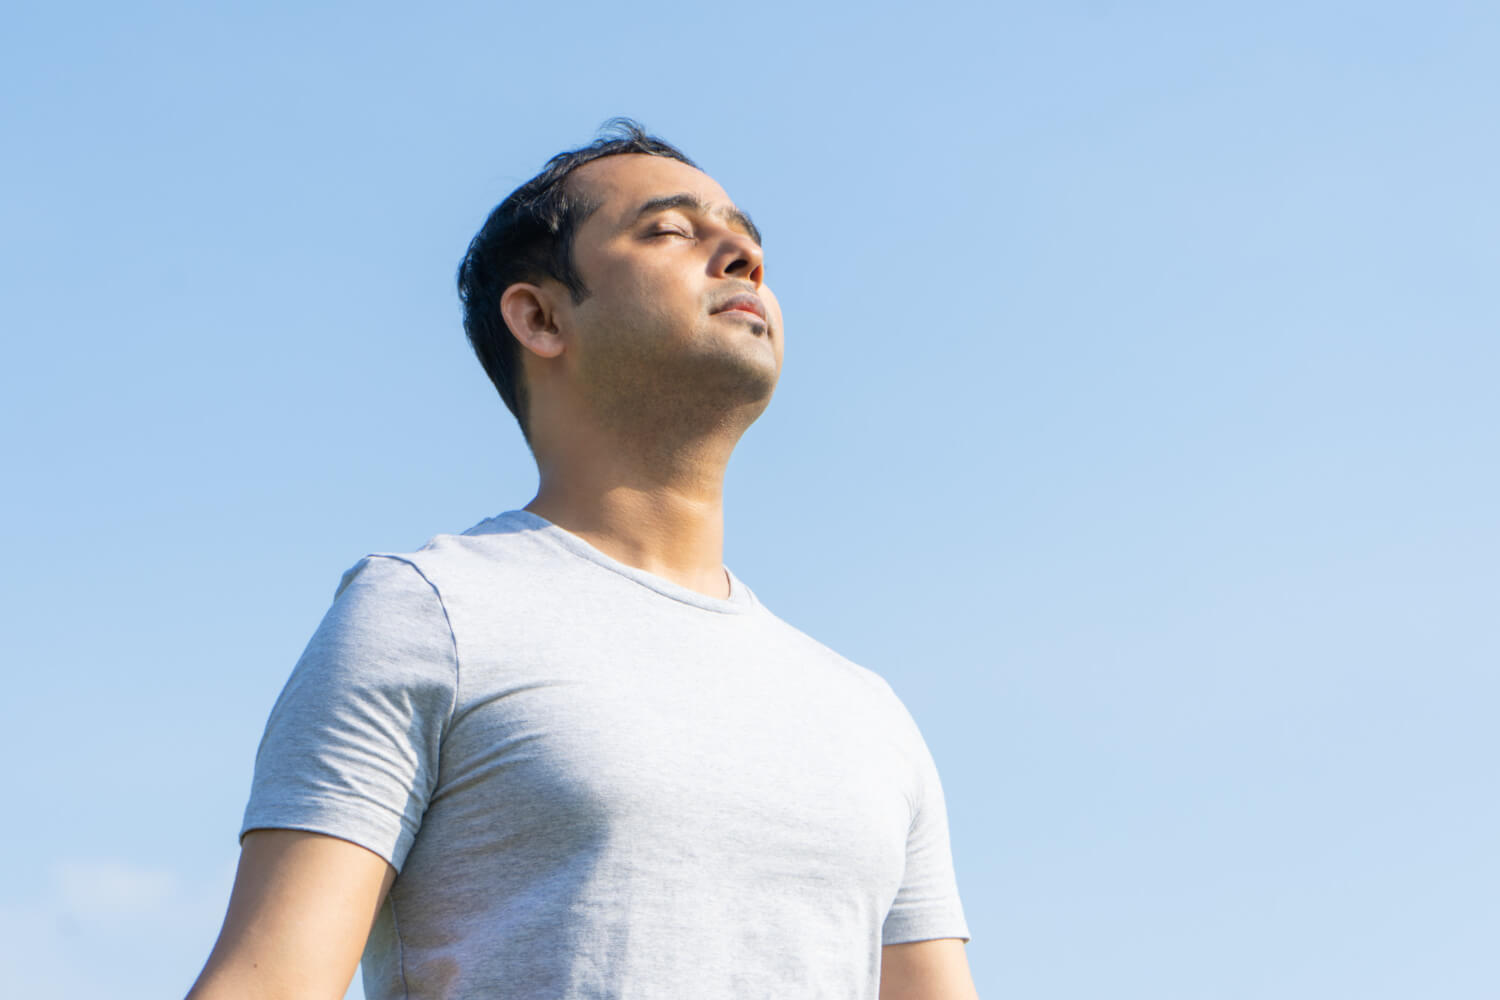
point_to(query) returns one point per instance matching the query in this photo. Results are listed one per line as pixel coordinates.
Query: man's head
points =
(610, 254)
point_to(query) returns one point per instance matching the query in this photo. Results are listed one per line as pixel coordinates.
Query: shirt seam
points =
(442, 738)
(452, 640)
(400, 949)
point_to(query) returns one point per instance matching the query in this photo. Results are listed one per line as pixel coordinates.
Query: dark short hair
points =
(528, 237)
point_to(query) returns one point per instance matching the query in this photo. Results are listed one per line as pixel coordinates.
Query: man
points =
(567, 753)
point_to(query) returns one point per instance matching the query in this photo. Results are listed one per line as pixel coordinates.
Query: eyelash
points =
(669, 231)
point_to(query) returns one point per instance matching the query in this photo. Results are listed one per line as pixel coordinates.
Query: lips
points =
(744, 302)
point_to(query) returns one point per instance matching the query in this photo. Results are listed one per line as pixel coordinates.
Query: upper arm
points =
(301, 909)
(925, 926)
(353, 744)
(926, 906)
(926, 970)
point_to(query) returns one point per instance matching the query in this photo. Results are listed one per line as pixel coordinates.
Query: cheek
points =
(634, 298)
(657, 285)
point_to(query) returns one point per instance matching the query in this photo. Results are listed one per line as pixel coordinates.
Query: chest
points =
(719, 747)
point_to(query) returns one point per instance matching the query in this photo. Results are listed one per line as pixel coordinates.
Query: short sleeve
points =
(352, 745)
(927, 905)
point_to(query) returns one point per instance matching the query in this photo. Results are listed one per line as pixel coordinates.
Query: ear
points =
(530, 312)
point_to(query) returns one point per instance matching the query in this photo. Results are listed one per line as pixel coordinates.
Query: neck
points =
(656, 507)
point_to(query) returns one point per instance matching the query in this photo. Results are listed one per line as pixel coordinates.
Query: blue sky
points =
(1138, 424)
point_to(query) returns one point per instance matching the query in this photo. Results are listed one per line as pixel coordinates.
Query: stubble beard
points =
(671, 399)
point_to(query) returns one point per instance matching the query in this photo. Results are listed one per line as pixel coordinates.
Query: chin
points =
(722, 390)
(751, 379)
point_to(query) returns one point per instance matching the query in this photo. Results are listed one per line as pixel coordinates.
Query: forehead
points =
(619, 185)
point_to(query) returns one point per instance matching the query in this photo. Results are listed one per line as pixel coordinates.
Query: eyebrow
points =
(693, 203)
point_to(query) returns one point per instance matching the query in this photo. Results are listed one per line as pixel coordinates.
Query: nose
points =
(739, 256)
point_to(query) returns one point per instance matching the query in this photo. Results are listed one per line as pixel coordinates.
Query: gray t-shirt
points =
(597, 783)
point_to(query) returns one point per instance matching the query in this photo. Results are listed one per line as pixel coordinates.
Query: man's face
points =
(678, 316)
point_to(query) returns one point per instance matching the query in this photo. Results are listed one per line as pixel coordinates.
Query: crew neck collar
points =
(739, 601)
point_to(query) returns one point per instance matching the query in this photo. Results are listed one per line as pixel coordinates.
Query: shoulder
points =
(871, 686)
(508, 544)
(386, 588)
